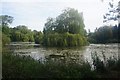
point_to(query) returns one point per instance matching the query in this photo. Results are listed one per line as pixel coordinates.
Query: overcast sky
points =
(33, 13)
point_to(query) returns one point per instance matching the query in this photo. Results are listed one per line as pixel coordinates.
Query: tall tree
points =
(113, 12)
(49, 26)
(6, 20)
(69, 21)
(65, 30)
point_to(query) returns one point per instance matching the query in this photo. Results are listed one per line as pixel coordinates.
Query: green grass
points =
(26, 67)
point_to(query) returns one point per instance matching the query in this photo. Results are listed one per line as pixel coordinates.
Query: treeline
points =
(17, 34)
(20, 34)
(66, 30)
(105, 34)
(108, 34)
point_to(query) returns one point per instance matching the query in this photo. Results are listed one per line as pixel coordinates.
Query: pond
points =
(68, 54)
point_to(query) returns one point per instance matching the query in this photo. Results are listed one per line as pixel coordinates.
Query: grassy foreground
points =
(26, 67)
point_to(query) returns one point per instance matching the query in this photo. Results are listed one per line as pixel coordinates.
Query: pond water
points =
(69, 54)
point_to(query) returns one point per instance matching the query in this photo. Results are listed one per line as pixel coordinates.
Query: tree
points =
(5, 39)
(66, 30)
(115, 32)
(22, 33)
(6, 30)
(49, 25)
(38, 37)
(69, 21)
(109, 33)
(6, 20)
(113, 12)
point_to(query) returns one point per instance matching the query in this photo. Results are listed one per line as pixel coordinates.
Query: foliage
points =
(38, 37)
(6, 30)
(108, 34)
(66, 30)
(113, 12)
(118, 32)
(64, 40)
(69, 21)
(26, 67)
(98, 64)
(17, 34)
(107, 68)
(105, 34)
(5, 20)
(5, 39)
(15, 66)
(21, 34)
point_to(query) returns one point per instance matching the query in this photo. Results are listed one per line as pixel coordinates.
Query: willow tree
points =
(70, 22)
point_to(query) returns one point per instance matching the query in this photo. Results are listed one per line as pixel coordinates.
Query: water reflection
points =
(71, 55)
